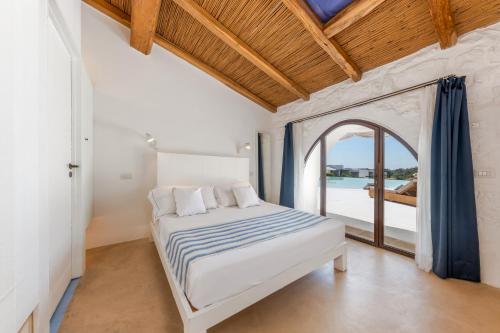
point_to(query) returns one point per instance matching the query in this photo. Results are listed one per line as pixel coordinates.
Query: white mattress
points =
(214, 278)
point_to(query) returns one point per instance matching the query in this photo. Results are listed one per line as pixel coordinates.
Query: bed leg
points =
(191, 329)
(340, 263)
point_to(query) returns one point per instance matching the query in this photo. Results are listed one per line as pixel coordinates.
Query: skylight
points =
(326, 9)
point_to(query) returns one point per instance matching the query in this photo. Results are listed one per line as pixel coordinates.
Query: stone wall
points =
(477, 55)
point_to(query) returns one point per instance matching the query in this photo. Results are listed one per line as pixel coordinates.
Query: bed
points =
(219, 284)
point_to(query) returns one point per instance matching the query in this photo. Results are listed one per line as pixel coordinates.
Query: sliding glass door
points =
(400, 195)
(367, 180)
(350, 167)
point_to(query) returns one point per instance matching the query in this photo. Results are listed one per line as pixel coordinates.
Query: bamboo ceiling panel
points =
(473, 14)
(124, 5)
(393, 30)
(177, 26)
(270, 29)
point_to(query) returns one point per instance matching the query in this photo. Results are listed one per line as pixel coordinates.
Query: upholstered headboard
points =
(188, 169)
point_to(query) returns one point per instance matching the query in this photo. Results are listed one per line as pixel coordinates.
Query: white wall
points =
(71, 11)
(23, 160)
(183, 108)
(477, 56)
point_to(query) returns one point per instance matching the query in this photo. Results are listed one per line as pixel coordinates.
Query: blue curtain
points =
(453, 209)
(260, 167)
(287, 177)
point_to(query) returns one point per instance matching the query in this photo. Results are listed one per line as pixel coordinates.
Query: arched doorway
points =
(365, 176)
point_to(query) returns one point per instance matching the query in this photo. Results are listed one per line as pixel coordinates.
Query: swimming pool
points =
(348, 182)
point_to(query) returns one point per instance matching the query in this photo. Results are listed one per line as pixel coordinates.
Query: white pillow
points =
(207, 192)
(162, 200)
(189, 201)
(246, 196)
(225, 196)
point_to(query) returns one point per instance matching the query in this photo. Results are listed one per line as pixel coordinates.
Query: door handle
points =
(73, 166)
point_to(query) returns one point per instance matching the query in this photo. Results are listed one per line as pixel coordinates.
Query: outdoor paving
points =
(356, 204)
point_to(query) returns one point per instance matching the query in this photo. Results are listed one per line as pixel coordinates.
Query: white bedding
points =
(217, 277)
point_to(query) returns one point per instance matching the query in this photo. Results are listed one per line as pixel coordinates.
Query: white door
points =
(59, 150)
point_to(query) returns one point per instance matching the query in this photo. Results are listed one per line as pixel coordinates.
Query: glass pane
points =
(311, 181)
(400, 195)
(349, 174)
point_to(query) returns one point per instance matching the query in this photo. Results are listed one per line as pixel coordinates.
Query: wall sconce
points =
(151, 141)
(245, 146)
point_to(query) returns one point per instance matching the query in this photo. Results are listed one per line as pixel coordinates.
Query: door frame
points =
(77, 225)
(379, 132)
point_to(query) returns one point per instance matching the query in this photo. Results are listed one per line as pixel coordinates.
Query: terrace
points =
(355, 208)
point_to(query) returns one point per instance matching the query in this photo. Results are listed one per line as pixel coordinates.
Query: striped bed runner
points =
(185, 246)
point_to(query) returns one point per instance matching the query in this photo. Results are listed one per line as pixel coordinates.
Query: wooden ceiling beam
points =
(123, 18)
(350, 15)
(312, 24)
(144, 19)
(233, 41)
(443, 22)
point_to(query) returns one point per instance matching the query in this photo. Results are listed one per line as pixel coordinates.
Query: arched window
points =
(365, 176)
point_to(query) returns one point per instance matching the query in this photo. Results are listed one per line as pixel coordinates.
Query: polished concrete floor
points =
(125, 290)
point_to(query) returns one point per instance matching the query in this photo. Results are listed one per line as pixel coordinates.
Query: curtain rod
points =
(374, 99)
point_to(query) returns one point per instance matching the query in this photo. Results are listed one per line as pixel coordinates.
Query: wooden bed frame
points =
(198, 321)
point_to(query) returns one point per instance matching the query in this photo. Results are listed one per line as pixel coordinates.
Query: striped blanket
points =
(185, 246)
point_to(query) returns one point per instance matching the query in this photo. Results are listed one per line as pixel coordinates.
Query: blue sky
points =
(357, 152)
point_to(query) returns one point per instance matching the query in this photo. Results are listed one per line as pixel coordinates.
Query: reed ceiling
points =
(394, 29)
